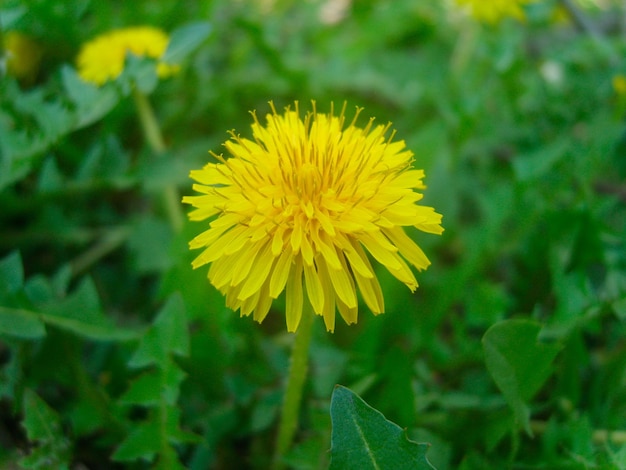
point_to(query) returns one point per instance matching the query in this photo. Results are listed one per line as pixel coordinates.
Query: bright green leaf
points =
(21, 323)
(362, 438)
(184, 40)
(518, 363)
(91, 102)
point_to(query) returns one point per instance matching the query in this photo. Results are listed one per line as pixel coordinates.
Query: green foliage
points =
(158, 390)
(518, 363)
(43, 428)
(511, 354)
(362, 438)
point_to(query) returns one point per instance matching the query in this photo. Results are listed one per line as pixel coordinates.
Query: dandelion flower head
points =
(102, 59)
(492, 11)
(302, 208)
(619, 84)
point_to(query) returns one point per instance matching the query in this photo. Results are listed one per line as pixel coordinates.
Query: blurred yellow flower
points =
(102, 59)
(23, 55)
(299, 208)
(619, 84)
(492, 11)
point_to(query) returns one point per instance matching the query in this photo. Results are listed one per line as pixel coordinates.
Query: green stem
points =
(295, 383)
(152, 133)
(149, 123)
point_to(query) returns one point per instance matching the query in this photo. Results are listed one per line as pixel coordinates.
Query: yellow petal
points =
(381, 252)
(329, 297)
(294, 297)
(281, 273)
(349, 314)
(408, 248)
(263, 305)
(258, 274)
(343, 284)
(314, 289)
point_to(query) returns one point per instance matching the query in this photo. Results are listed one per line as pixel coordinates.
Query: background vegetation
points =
(114, 353)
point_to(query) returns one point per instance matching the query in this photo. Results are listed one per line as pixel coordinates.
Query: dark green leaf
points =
(152, 387)
(142, 443)
(149, 245)
(362, 438)
(167, 335)
(43, 428)
(518, 362)
(155, 437)
(11, 274)
(535, 164)
(81, 313)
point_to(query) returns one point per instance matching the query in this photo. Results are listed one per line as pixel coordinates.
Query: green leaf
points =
(155, 437)
(152, 387)
(91, 102)
(141, 443)
(619, 307)
(11, 273)
(518, 362)
(81, 314)
(21, 323)
(149, 245)
(362, 438)
(43, 427)
(538, 162)
(167, 335)
(184, 40)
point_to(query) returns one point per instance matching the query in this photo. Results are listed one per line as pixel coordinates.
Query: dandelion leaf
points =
(518, 362)
(50, 448)
(363, 439)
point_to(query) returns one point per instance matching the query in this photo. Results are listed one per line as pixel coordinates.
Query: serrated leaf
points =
(362, 438)
(81, 314)
(152, 387)
(184, 40)
(142, 443)
(40, 421)
(43, 427)
(21, 323)
(518, 363)
(154, 437)
(167, 335)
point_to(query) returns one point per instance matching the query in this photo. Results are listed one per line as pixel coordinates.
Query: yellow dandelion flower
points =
(492, 11)
(619, 84)
(102, 59)
(23, 55)
(302, 207)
